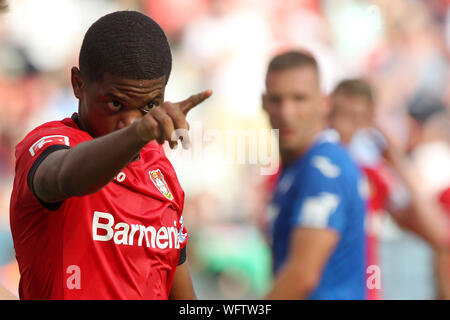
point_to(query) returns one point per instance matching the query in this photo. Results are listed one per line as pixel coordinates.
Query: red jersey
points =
(122, 242)
(445, 200)
(376, 204)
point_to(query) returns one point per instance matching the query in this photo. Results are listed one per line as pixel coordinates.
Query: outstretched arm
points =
(89, 166)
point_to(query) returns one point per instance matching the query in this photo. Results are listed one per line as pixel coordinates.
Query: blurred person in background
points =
(352, 114)
(318, 204)
(424, 166)
(410, 58)
(103, 174)
(351, 111)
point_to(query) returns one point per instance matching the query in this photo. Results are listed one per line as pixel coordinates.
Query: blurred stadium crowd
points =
(401, 47)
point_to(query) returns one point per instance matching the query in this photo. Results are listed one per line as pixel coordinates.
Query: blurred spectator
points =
(174, 15)
(230, 46)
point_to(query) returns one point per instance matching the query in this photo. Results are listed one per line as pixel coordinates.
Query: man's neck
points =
(77, 119)
(291, 156)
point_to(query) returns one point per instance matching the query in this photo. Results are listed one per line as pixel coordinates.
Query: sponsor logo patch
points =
(55, 139)
(105, 228)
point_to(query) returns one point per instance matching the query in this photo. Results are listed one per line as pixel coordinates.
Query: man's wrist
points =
(141, 131)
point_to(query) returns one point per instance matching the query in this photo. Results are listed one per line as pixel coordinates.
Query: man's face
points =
(113, 103)
(295, 105)
(348, 114)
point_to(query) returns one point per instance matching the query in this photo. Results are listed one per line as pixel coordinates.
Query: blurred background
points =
(400, 46)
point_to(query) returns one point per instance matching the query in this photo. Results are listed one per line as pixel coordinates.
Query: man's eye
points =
(299, 98)
(148, 106)
(115, 105)
(274, 100)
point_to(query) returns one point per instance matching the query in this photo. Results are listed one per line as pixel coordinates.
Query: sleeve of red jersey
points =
(445, 200)
(37, 145)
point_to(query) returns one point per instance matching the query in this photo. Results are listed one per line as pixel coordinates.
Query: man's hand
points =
(168, 122)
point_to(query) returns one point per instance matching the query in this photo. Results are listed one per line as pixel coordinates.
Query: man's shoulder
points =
(61, 131)
(329, 160)
(66, 124)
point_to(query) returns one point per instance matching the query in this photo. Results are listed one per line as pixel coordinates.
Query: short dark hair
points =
(355, 87)
(3, 5)
(425, 105)
(127, 44)
(292, 59)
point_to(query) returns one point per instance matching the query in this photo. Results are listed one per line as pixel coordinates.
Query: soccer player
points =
(96, 207)
(424, 167)
(352, 116)
(318, 229)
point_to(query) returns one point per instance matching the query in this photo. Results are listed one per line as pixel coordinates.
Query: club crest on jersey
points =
(158, 180)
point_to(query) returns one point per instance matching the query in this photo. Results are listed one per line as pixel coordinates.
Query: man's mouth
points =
(286, 132)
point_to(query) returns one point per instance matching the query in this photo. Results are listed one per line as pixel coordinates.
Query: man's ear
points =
(263, 101)
(326, 105)
(77, 82)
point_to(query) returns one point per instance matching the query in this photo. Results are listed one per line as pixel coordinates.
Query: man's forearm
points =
(292, 285)
(182, 287)
(87, 167)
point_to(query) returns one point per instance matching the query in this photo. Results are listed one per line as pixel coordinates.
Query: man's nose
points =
(286, 110)
(128, 118)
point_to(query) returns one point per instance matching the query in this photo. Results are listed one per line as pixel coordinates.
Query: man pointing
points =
(96, 209)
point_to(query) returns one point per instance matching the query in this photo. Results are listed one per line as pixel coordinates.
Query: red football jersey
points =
(445, 200)
(122, 242)
(376, 205)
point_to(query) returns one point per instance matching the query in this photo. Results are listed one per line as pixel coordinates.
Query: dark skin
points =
(123, 115)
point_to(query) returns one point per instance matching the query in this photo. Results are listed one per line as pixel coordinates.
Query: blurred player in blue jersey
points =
(318, 204)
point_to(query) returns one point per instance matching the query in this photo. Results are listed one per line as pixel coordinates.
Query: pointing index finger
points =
(192, 101)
